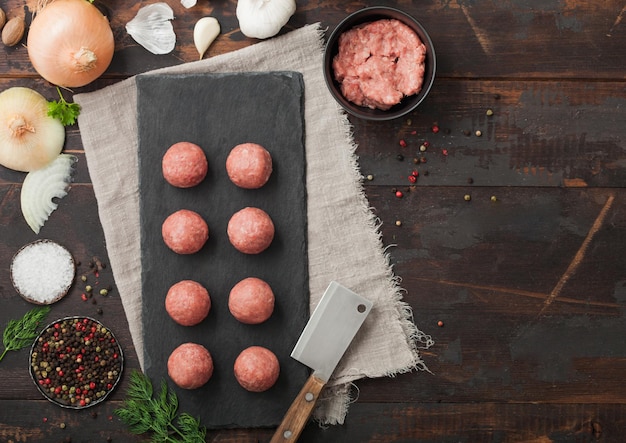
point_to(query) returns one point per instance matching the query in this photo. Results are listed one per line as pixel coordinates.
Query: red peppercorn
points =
(444, 152)
(92, 385)
(403, 143)
(435, 129)
(426, 143)
(415, 172)
(82, 402)
(84, 297)
(412, 178)
(399, 194)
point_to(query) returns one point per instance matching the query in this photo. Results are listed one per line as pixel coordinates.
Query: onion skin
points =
(70, 43)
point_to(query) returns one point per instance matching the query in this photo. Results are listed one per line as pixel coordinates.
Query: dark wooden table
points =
(528, 276)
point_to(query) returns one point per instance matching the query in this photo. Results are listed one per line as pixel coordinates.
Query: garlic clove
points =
(40, 187)
(263, 18)
(205, 32)
(152, 28)
(188, 3)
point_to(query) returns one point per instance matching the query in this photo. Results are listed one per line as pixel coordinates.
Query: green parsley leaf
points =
(63, 110)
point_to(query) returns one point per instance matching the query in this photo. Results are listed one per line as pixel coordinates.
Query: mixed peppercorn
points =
(76, 362)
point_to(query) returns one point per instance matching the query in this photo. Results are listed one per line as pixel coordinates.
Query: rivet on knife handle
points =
(299, 412)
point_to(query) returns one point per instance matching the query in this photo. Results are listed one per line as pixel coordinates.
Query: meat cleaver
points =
(325, 338)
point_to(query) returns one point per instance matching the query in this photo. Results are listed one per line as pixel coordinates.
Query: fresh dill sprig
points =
(20, 333)
(157, 412)
(63, 110)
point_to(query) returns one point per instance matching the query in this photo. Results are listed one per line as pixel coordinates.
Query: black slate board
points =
(217, 112)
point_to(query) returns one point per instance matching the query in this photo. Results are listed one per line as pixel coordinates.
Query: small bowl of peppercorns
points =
(76, 362)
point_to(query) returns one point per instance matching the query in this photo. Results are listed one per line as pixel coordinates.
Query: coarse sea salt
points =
(42, 272)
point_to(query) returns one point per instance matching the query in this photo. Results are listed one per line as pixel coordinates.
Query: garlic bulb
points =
(152, 28)
(264, 18)
(204, 32)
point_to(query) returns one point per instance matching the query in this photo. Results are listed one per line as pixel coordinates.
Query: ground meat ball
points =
(379, 63)
(187, 302)
(190, 365)
(251, 301)
(249, 165)
(250, 230)
(184, 165)
(257, 369)
(185, 232)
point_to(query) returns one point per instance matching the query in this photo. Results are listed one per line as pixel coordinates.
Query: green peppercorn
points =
(88, 288)
(103, 291)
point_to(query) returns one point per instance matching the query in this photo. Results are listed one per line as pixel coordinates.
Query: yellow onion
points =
(29, 138)
(70, 43)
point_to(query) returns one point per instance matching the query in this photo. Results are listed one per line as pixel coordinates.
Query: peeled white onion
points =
(29, 138)
(41, 186)
(70, 43)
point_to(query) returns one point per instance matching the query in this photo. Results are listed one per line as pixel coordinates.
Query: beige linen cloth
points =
(343, 235)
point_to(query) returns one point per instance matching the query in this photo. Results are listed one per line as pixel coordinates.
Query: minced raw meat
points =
(379, 63)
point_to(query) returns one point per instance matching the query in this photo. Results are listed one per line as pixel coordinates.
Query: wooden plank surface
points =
(527, 276)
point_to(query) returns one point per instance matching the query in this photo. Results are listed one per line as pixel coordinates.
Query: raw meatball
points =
(249, 165)
(185, 232)
(379, 63)
(257, 369)
(250, 230)
(190, 365)
(184, 165)
(251, 301)
(187, 302)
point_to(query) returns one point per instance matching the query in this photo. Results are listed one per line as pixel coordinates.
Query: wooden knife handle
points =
(299, 412)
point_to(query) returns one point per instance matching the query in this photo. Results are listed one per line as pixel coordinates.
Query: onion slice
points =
(41, 186)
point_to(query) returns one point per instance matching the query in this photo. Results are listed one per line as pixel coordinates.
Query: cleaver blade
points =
(335, 321)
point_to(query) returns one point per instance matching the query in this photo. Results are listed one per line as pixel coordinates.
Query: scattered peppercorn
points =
(489, 112)
(370, 177)
(416, 160)
(440, 323)
(103, 291)
(398, 223)
(412, 178)
(62, 425)
(435, 129)
(88, 288)
(467, 197)
(399, 194)
(444, 152)
(467, 132)
(479, 133)
(423, 148)
(400, 157)
(402, 143)
(494, 198)
(83, 278)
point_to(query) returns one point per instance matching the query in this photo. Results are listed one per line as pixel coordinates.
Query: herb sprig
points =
(63, 110)
(20, 333)
(146, 411)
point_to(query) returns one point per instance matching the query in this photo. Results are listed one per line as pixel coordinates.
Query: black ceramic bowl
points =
(76, 362)
(371, 14)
